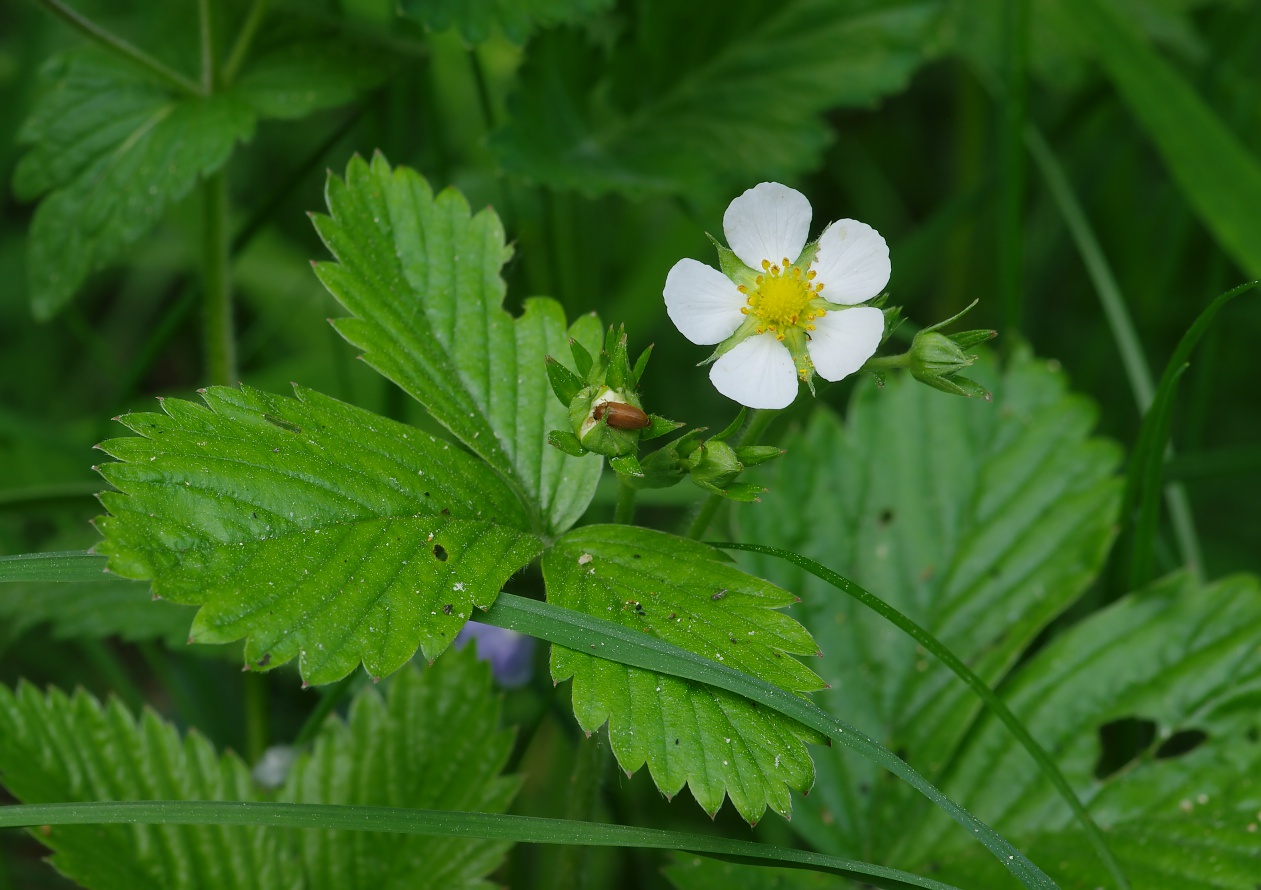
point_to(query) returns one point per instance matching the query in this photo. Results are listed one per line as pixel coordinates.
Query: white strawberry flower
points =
(781, 310)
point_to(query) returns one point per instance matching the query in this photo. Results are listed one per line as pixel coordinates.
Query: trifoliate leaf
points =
(687, 594)
(110, 148)
(1185, 811)
(310, 527)
(433, 742)
(674, 108)
(420, 274)
(979, 521)
(514, 18)
(59, 748)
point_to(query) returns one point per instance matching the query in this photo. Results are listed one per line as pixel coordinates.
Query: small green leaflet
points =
(433, 741)
(420, 275)
(982, 540)
(312, 528)
(110, 148)
(1180, 655)
(479, 19)
(687, 594)
(673, 108)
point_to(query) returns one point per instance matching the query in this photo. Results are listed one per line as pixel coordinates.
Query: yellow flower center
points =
(781, 298)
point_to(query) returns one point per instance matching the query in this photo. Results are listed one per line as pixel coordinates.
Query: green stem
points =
(244, 39)
(220, 341)
(1132, 357)
(624, 512)
(209, 56)
(256, 715)
(887, 362)
(329, 699)
(1015, 102)
(105, 664)
(585, 785)
(963, 672)
(116, 44)
(760, 420)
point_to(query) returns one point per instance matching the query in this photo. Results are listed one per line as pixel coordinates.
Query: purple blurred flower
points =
(511, 655)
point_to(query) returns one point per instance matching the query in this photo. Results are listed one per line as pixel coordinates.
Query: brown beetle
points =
(621, 416)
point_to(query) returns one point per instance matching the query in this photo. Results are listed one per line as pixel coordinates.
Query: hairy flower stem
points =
(220, 339)
(624, 512)
(758, 423)
(586, 783)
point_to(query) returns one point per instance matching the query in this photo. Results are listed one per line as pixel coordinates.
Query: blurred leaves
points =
(420, 274)
(433, 741)
(479, 19)
(981, 539)
(92, 610)
(687, 594)
(310, 527)
(700, 106)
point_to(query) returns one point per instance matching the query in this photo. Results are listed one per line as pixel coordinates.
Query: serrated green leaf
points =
(981, 539)
(678, 109)
(687, 594)
(480, 19)
(110, 149)
(420, 275)
(434, 742)
(60, 748)
(309, 527)
(1178, 654)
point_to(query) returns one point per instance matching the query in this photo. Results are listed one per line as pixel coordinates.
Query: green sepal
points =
(582, 358)
(660, 427)
(806, 257)
(734, 427)
(958, 386)
(745, 492)
(619, 376)
(952, 319)
(752, 455)
(732, 266)
(892, 321)
(566, 442)
(564, 382)
(642, 363)
(627, 465)
(968, 339)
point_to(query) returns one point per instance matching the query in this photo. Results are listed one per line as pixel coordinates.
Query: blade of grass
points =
(438, 823)
(961, 670)
(1128, 345)
(67, 565)
(614, 642)
(610, 640)
(1147, 464)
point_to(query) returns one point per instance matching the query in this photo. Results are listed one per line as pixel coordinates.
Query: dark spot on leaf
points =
(254, 515)
(634, 556)
(1121, 742)
(264, 661)
(676, 741)
(864, 788)
(439, 553)
(426, 494)
(719, 595)
(885, 517)
(446, 610)
(1181, 742)
(733, 639)
(672, 616)
(445, 512)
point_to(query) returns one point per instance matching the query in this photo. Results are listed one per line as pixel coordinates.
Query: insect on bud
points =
(621, 416)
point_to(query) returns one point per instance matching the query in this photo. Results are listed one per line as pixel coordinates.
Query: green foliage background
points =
(1078, 193)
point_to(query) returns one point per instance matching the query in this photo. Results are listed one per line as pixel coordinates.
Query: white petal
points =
(759, 373)
(768, 222)
(843, 339)
(852, 262)
(702, 302)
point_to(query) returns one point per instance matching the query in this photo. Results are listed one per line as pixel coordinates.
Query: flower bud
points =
(936, 359)
(715, 464)
(607, 421)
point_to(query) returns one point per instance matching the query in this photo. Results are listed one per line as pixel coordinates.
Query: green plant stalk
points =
(106, 663)
(93, 31)
(330, 698)
(995, 705)
(760, 420)
(220, 339)
(64, 565)
(586, 783)
(1015, 113)
(440, 823)
(256, 714)
(209, 50)
(244, 40)
(624, 511)
(575, 630)
(1131, 350)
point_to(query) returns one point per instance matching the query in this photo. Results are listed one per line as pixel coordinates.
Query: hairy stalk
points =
(624, 512)
(758, 423)
(244, 39)
(256, 715)
(116, 44)
(585, 785)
